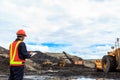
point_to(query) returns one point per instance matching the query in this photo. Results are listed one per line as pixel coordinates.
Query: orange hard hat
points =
(21, 32)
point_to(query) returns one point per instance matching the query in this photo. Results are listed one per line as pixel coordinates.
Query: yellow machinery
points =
(61, 62)
(98, 64)
(47, 63)
(73, 62)
(111, 61)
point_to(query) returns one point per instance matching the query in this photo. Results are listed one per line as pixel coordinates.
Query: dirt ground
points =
(81, 71)
(71, 71)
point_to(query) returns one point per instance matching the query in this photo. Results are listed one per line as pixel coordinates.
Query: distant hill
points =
(3, 50)
(40, 57)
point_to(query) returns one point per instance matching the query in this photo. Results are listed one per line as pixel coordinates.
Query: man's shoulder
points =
(22, 43)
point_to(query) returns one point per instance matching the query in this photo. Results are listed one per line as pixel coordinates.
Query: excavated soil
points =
(82, 71)
(72, 71)
(78, 71)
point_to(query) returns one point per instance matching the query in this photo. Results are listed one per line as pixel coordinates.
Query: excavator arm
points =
(70, 59)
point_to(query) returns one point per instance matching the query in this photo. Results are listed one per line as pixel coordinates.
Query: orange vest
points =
(14, 56)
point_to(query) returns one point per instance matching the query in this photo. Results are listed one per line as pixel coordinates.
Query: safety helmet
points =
(21, 32)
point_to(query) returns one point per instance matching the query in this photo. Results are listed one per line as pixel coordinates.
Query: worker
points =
(17, 54)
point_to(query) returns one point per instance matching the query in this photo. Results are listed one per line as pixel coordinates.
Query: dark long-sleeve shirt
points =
(22, 51)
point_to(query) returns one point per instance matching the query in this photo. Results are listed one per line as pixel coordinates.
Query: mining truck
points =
(111, 61)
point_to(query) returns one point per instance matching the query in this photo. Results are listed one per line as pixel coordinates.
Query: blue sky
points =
(85, 28)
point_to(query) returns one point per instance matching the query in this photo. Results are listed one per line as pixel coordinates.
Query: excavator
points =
(63, 62)
(111, 61)
(73, 62)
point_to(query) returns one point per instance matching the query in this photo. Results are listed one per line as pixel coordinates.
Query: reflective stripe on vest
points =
(13, 54)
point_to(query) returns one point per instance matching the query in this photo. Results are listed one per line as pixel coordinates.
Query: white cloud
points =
(80, 23)
(38, 47)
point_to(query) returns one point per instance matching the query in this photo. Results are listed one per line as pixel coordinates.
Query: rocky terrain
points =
(34, 66)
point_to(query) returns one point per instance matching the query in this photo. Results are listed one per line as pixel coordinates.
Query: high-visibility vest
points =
(14, 56)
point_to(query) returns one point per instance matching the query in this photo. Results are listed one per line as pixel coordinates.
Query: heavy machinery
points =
(47, 63)
(98, 64)
(73, 61)
(70, 59)
(110, 62)
(61, 62)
